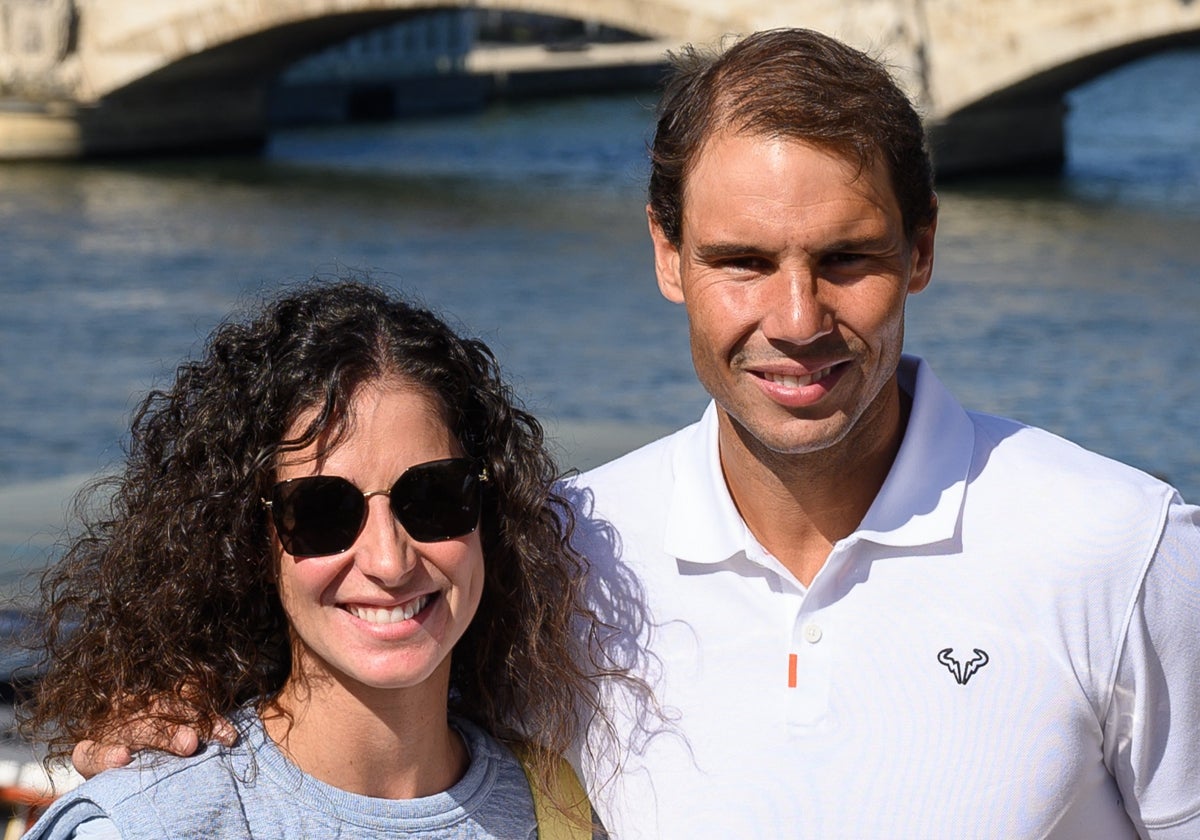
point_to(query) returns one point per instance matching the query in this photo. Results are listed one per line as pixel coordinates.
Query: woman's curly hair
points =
(168, 592)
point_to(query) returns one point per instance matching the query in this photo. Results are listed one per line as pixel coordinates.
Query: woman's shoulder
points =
(148, 797)
(494, 767)
(534, 812)
(78, 826)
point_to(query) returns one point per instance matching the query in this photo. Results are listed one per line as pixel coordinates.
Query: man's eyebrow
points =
(867, 243)
(719, 250)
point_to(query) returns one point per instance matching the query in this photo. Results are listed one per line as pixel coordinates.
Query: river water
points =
(1069, 302)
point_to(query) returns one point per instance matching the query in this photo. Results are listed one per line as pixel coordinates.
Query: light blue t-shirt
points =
(253, 790)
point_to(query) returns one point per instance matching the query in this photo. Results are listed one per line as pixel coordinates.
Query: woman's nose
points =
(384, 550)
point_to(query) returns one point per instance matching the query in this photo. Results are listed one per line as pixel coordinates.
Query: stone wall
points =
(36, 39)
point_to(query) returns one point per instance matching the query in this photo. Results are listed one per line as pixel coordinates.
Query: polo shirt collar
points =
(921, 500)
(703, 524)
(919, 503)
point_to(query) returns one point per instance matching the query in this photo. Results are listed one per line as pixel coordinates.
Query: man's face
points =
(794, 269)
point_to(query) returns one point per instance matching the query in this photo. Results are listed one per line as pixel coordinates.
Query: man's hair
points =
(792, 84)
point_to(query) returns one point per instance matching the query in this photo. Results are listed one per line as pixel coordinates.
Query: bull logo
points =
(962, 671)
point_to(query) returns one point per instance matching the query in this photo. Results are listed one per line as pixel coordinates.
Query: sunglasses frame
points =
(275, 504)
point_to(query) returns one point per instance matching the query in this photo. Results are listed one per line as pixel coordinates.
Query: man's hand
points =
(92, 757)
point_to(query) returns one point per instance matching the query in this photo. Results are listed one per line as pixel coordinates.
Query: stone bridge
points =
(120, 76)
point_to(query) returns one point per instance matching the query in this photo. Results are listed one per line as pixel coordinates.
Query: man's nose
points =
(794, 308)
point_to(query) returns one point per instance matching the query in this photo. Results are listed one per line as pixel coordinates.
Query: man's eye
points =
(845, 258)
(754, 264)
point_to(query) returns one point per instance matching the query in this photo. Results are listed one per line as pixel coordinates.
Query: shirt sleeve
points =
(73, 816)
(96, 828)
(1152, 729)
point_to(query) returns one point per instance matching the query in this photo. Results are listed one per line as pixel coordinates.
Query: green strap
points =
(554, 823)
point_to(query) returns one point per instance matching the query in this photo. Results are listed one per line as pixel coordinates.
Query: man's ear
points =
(921, 254)
(666, 261)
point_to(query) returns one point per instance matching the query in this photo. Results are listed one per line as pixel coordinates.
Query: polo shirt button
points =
(812, 633)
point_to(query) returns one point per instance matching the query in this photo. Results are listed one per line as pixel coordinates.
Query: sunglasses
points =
(324, 514)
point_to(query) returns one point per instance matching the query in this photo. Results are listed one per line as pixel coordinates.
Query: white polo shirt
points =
(1008, 647)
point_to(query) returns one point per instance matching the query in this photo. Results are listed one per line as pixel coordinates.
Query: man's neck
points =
(799, 505)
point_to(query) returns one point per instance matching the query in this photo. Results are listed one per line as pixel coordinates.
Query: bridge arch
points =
(195, 73)
(1009, 110)
(1054, 82)
(219, 38)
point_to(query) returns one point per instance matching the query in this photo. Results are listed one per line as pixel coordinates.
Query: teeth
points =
(390, 615)
(796, 381)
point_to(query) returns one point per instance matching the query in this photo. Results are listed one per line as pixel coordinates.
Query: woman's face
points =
(385, 612)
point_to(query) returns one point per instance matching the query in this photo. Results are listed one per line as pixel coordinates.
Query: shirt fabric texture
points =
(1006, 647)
(253, 790)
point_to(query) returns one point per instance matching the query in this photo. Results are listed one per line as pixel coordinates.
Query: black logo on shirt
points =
(962, 672)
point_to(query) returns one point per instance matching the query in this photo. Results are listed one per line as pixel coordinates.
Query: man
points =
(859, 610)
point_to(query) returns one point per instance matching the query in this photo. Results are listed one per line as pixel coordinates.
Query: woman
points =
(335, 497)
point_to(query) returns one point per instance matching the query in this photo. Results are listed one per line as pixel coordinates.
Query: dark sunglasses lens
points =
(439, 500)
(318, 515)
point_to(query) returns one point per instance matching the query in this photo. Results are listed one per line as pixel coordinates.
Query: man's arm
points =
(1152, 729)
(92, 757)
